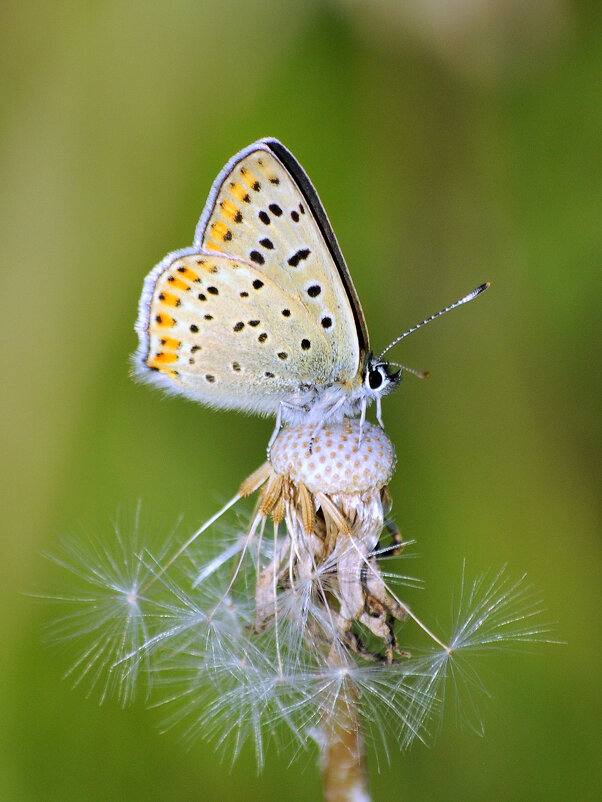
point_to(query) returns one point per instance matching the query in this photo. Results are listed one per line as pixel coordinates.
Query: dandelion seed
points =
(106, 612)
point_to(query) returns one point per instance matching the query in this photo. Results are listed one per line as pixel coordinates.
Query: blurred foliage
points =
(448, 149)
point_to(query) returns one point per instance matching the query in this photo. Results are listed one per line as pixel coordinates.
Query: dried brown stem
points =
(344, 772)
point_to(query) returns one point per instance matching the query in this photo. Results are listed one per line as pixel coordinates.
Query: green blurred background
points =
(451, 143)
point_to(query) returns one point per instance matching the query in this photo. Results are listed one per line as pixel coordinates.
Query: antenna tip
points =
(472, 295)
(425, 374)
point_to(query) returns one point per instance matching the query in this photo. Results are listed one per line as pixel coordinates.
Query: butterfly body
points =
(260, 314)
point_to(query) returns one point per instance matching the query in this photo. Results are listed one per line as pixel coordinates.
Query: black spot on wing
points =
(299, 256)
(312, 200)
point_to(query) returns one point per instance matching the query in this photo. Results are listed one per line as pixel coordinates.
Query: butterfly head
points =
(380, 378)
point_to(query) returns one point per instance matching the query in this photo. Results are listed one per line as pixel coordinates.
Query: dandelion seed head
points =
(269, 634)
(344, 458)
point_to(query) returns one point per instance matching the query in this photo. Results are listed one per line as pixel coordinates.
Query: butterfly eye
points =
(375, 379)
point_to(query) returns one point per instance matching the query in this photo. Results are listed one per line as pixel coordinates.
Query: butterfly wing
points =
(221, 331)
(262, 304)
(263, 208)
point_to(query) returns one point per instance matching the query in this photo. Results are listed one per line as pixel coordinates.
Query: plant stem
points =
(344, 772)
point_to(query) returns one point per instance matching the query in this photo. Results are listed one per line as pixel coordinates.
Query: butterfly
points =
(261, 314)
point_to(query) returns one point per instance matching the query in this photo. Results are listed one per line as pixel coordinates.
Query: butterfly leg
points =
(276, 431)
(396, 546)
(362, 419)
(379, 413)
(324, 421)
(283, 405)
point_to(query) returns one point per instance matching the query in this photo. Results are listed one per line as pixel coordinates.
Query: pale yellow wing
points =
(264, 210)
(225, 332)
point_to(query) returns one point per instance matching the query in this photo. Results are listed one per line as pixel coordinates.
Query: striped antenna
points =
(471, 296)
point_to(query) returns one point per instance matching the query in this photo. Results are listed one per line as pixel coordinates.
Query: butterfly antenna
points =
(422, 374)
(471, 296)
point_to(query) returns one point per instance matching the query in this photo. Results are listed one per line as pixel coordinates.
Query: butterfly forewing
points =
(223, 332)
(258, 212)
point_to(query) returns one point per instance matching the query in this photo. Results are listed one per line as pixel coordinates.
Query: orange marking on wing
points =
(163, 319)
(170, 342)
(168, 298)
(156, 365)
(187, 273)
(213, 246)
(221, 230)
(249, 178)
(177, 283)
(229, 210)
(239, 192)
(163, 358)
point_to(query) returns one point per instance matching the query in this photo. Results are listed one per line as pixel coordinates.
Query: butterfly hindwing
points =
(224, 332)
